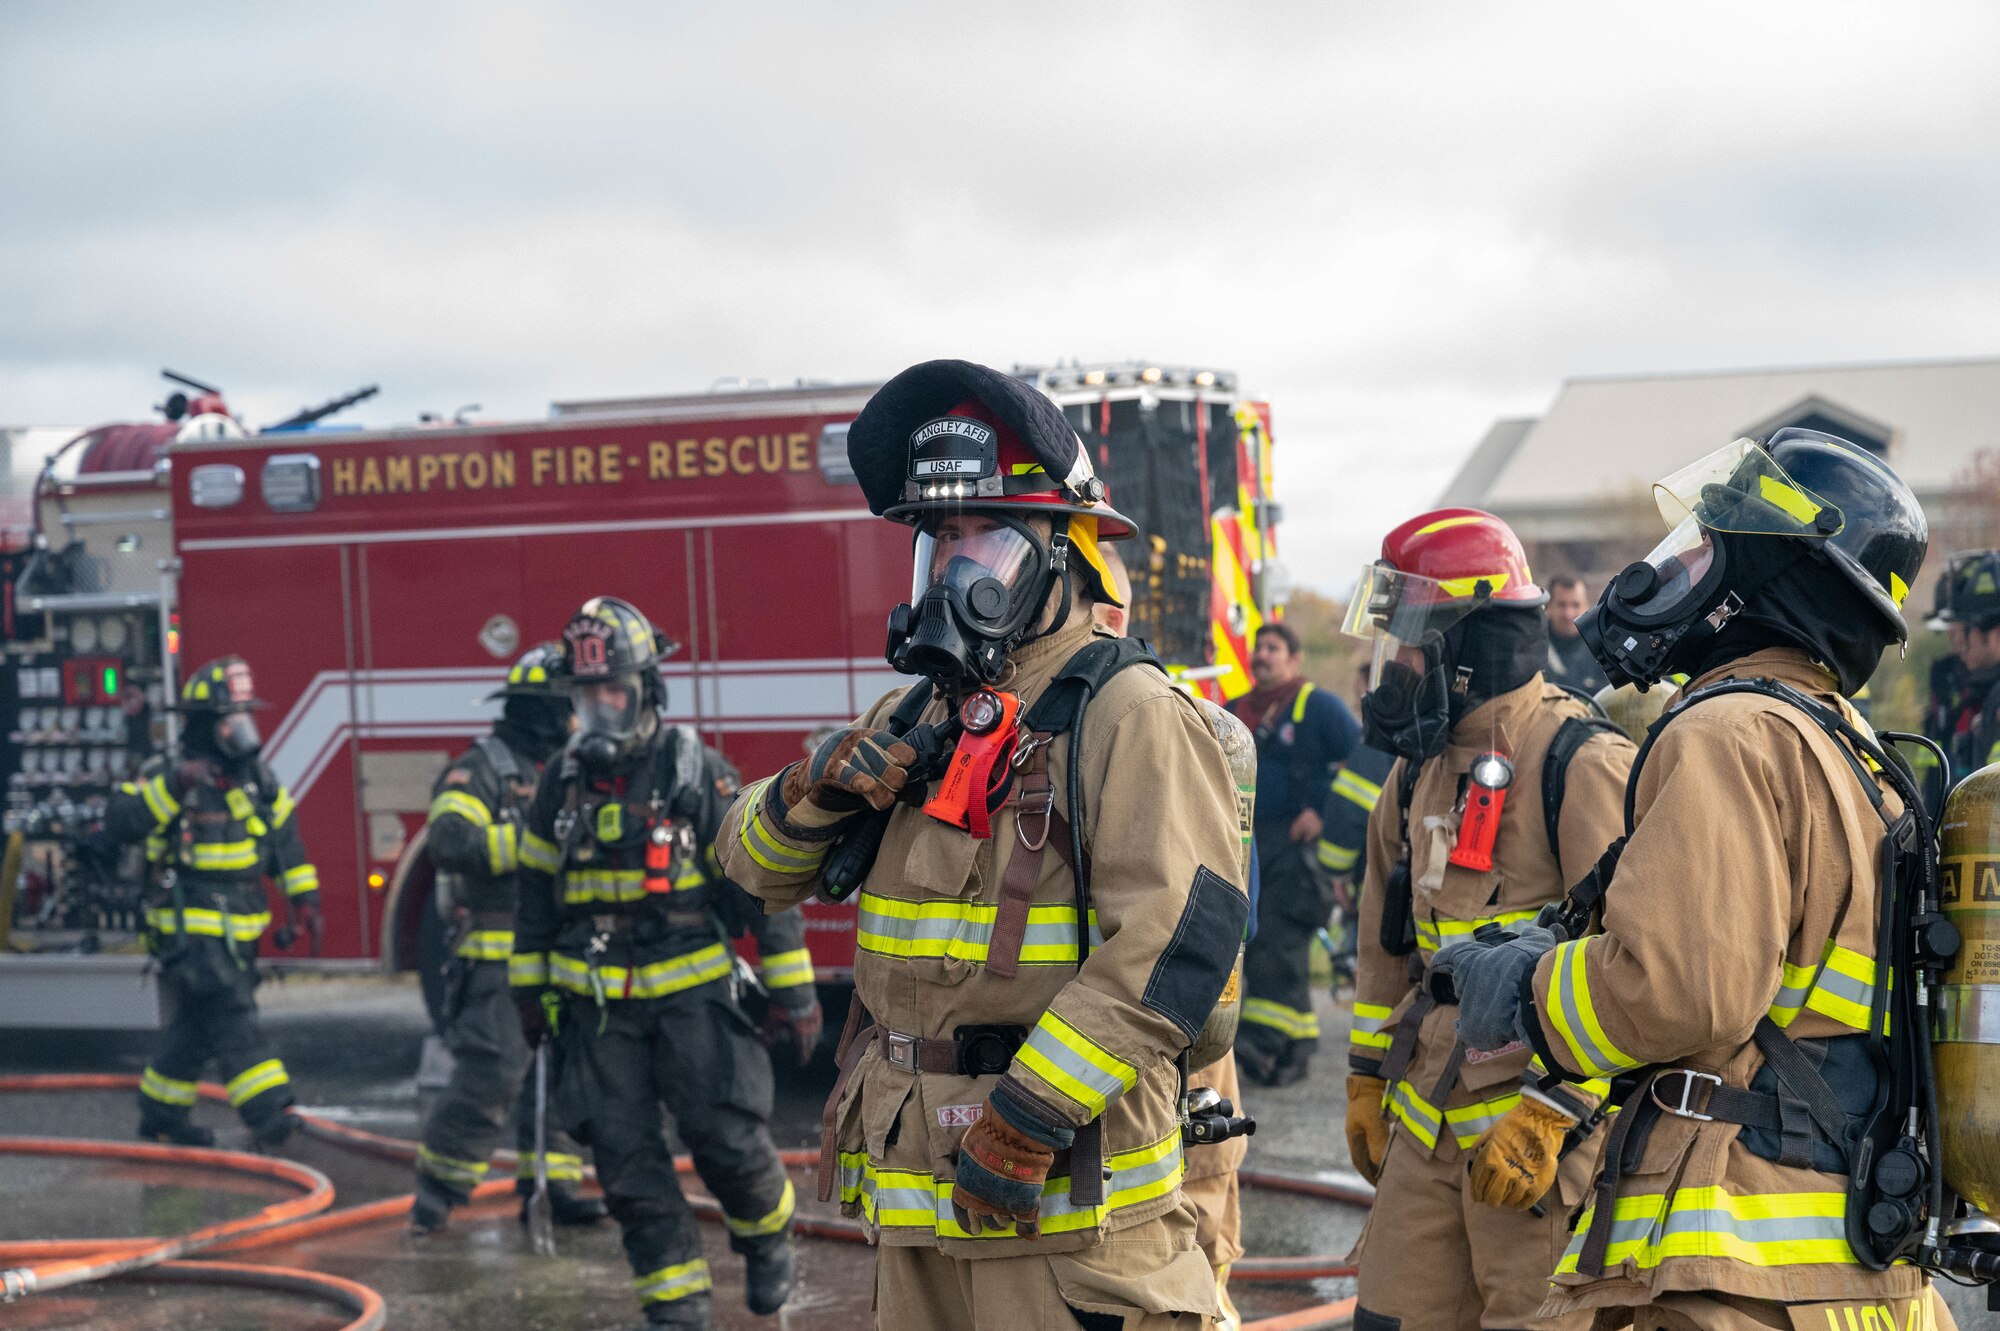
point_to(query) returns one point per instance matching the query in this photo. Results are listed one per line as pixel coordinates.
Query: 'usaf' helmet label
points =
(955, 448)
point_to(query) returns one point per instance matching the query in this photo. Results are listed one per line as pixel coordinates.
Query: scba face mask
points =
(978, 587)
(610, 718)
(1405, 616)
(236, 735)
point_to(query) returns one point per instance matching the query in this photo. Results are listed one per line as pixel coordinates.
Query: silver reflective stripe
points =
(1107, 1085)
(1968, 1014)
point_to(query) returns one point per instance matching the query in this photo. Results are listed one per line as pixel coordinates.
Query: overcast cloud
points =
(1398, 221)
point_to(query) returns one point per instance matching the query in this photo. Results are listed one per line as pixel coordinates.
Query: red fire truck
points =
(380, 581)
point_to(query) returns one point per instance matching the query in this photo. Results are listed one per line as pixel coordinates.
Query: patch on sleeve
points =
(457, 776)
(1189, 977)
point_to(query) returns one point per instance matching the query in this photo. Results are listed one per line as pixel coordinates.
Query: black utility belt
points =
(660, 922)
(972, 1050)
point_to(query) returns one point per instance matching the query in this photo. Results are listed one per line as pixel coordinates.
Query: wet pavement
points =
(353, 1048)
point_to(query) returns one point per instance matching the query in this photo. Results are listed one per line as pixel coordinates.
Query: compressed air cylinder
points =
(1967, 1029)
(1218, 1034)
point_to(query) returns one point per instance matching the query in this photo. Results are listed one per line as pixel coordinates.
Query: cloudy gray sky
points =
(1397, 220)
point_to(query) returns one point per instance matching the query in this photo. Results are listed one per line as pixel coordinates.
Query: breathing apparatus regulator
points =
(610, 663)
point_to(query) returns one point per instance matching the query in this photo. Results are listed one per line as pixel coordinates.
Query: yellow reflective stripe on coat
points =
(503, 849)
(1370, 1028)
(786, 970)
(1294, 1023)
(653, 980)
(463, 1173)
(540, 853)
(254, 1081)
(465, 806)
(1842, 987)
(489, 945)
(301, 880)
(160, 801)
(762, 843)
(155, 1085)
(1299, 703)
(243, 811)
(209, 923)
(1414, 1112)
(1357, 788)
(220, 856)
(1336, 858)
(913, 1199)
(954, 930)
(281, 807)
(562, 1167)
(777, 1218)
(528, 968)
(1434, 934)
(611, 885)
(673, 1282)
(1574, 1017)
(1076, 1065)
(1769, 1229)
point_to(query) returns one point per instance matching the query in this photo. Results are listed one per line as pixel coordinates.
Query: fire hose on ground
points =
(45, 1264)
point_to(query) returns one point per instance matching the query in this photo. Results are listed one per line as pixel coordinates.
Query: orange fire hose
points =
(59, 1262)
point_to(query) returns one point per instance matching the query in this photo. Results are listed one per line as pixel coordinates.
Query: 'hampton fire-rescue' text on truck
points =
(380, 581)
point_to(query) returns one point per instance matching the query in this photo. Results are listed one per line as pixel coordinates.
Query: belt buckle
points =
(900, 1050)
(1688, 1078)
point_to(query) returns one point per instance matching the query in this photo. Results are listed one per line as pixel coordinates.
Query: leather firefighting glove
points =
(1003, 1161)
(851, 769)
(309, 917)
(1514, 1165)
(794, 1025)
(1487, 977)
(540, 1009)
(1367, 1125)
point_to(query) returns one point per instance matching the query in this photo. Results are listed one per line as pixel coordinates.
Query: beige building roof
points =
(1604, 439)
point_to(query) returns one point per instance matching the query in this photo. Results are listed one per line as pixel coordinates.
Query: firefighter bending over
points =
(622, 954)
(1006, 1115)
(215, 823)
(474, 842)
(1504, 791)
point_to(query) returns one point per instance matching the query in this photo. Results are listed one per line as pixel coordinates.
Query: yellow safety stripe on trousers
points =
(1575, 1019)
(673, 1282)
(156, 1085)
(786, 970)
(253, 1081)
(301, 880)
(1434, 934)
(488, 945)
(1336, 858)
(210, 923)
(1294, 1023)
(220, 856)
(954, 930)
(465, 1174)
(1370, 1028)
(540, 853)
(465, 806)
(762, 843)
(562, 1167)
(1075, 1064)
(913, 1199)
(1358, 788)
(528, 968)
(281, 807)
(779, 1216)
(160, 801)
(503, 849)
(1842, 987)
(654, 980)
(243, 811)
(1767, 1229)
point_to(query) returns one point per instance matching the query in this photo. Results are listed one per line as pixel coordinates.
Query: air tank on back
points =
(1218, 1034)
(1967, 1031)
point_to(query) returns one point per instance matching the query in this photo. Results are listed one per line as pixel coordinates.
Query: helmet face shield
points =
(1742, 488)
(609, 707)
(1403, 614)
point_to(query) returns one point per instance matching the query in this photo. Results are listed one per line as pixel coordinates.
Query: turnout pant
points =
(492, 1075)
(1150, 1277)
(1433, 1259)
(1725, 1312)
(1294, 903)
(696, 1053)
(210, 1008)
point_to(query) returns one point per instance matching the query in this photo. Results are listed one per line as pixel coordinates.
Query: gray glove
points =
(1488, 979)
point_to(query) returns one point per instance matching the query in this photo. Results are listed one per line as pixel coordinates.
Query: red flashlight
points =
(1491, 774)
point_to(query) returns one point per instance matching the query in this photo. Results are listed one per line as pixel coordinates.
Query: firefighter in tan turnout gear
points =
(216, 823)
(1006, 1115)
(1758, 1173)
(1505, 789)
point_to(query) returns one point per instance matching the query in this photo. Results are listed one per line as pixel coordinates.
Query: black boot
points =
(693, 1313)
(1256, 1065)
(431, 1211)
(1293, 1066)
(767, 1275)
(274, 1131)
(173, 1127)
(566, 1205)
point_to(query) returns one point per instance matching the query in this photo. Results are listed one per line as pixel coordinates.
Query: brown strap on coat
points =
(1086, 1165)
(1629, 1129)
(1403, 1046)
(1034, 828)
(846, 1055)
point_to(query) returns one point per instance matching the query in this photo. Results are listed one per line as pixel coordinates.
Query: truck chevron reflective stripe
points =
(1576, 1020)
(673, 1282)
(1370, 1029)
(786, 970)
(254, 1081)
(1074, 1064)
(1770, 1229)
(776, 1219)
